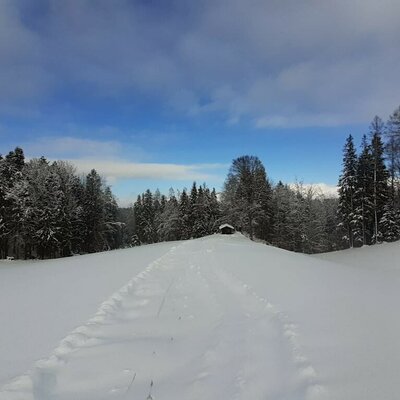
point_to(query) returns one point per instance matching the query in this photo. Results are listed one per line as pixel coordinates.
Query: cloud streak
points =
(115, 170)
(107, 158)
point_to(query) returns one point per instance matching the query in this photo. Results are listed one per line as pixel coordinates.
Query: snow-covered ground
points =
(214, 318)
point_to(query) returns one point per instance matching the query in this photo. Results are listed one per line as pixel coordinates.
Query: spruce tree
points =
(380, 177)
(282, 202)
(389, 224)
(363, 211)
(148, 218)
(200, 215)
(184, 215)
(139, 224)
(347, 188)
(169, 227)
(215, 211)
(93, 212)
(392, 148)
(192, 208)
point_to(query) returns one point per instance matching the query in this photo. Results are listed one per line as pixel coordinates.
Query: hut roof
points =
(226, 226)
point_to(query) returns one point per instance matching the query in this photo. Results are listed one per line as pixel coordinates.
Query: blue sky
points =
(158, 94)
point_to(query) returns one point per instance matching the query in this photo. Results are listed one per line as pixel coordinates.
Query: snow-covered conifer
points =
(380, 177)
(347, 187)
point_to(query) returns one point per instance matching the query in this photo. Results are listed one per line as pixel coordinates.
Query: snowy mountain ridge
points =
(218, 317)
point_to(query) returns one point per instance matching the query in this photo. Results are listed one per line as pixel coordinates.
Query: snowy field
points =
(214, 318)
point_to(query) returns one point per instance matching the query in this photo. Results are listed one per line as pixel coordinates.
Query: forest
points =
(47, 210)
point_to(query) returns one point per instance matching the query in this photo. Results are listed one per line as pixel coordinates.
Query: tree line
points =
(176, 216)
(293, 217)
(369, 186)
(297, 218)
(47, 210)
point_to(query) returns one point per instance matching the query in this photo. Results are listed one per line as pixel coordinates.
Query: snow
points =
(215, 318)
(41, 301)
(226, 226)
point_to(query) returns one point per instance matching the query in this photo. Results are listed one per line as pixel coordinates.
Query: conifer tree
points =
(393, 156)
(380, 177)
(347, 188)
(390, 224)
(200, 215)
(138, 216)
(184, 215)
(169, 227)
(281, 222)
(148, 218)
(214, 212)
(93, 212)
(10, 174)
(192, 208)
(363, 199)
(113, 229)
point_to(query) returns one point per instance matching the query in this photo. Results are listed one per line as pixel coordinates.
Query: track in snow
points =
(184, 328)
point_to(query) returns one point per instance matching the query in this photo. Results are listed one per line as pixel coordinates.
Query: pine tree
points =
(215, 211)
(169, 227)
(263, 197)
(70, 224)
(390, 224)
(138, 217)
(46, 211)
(392, 149)
(148, 218)
(192, 208)
(49, 215)
(158, 210)
(281, 222)
(113, 229)
(347, 188)
(380, 177)
(363, 199)
(10, 174)
(93, 212)
(200, 215)
(312, 219)
(184, 216)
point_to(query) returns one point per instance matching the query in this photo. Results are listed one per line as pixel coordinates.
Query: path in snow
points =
(42, 301)
(184, 328)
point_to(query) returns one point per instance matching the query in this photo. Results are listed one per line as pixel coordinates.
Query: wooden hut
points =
(226, 229)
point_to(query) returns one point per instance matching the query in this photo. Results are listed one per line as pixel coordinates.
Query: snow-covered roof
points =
(226, 226)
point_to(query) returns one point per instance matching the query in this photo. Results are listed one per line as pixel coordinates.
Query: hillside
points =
(214, 318)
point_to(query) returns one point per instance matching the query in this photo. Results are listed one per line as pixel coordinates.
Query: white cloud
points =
(114, 169)
(108, 158)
